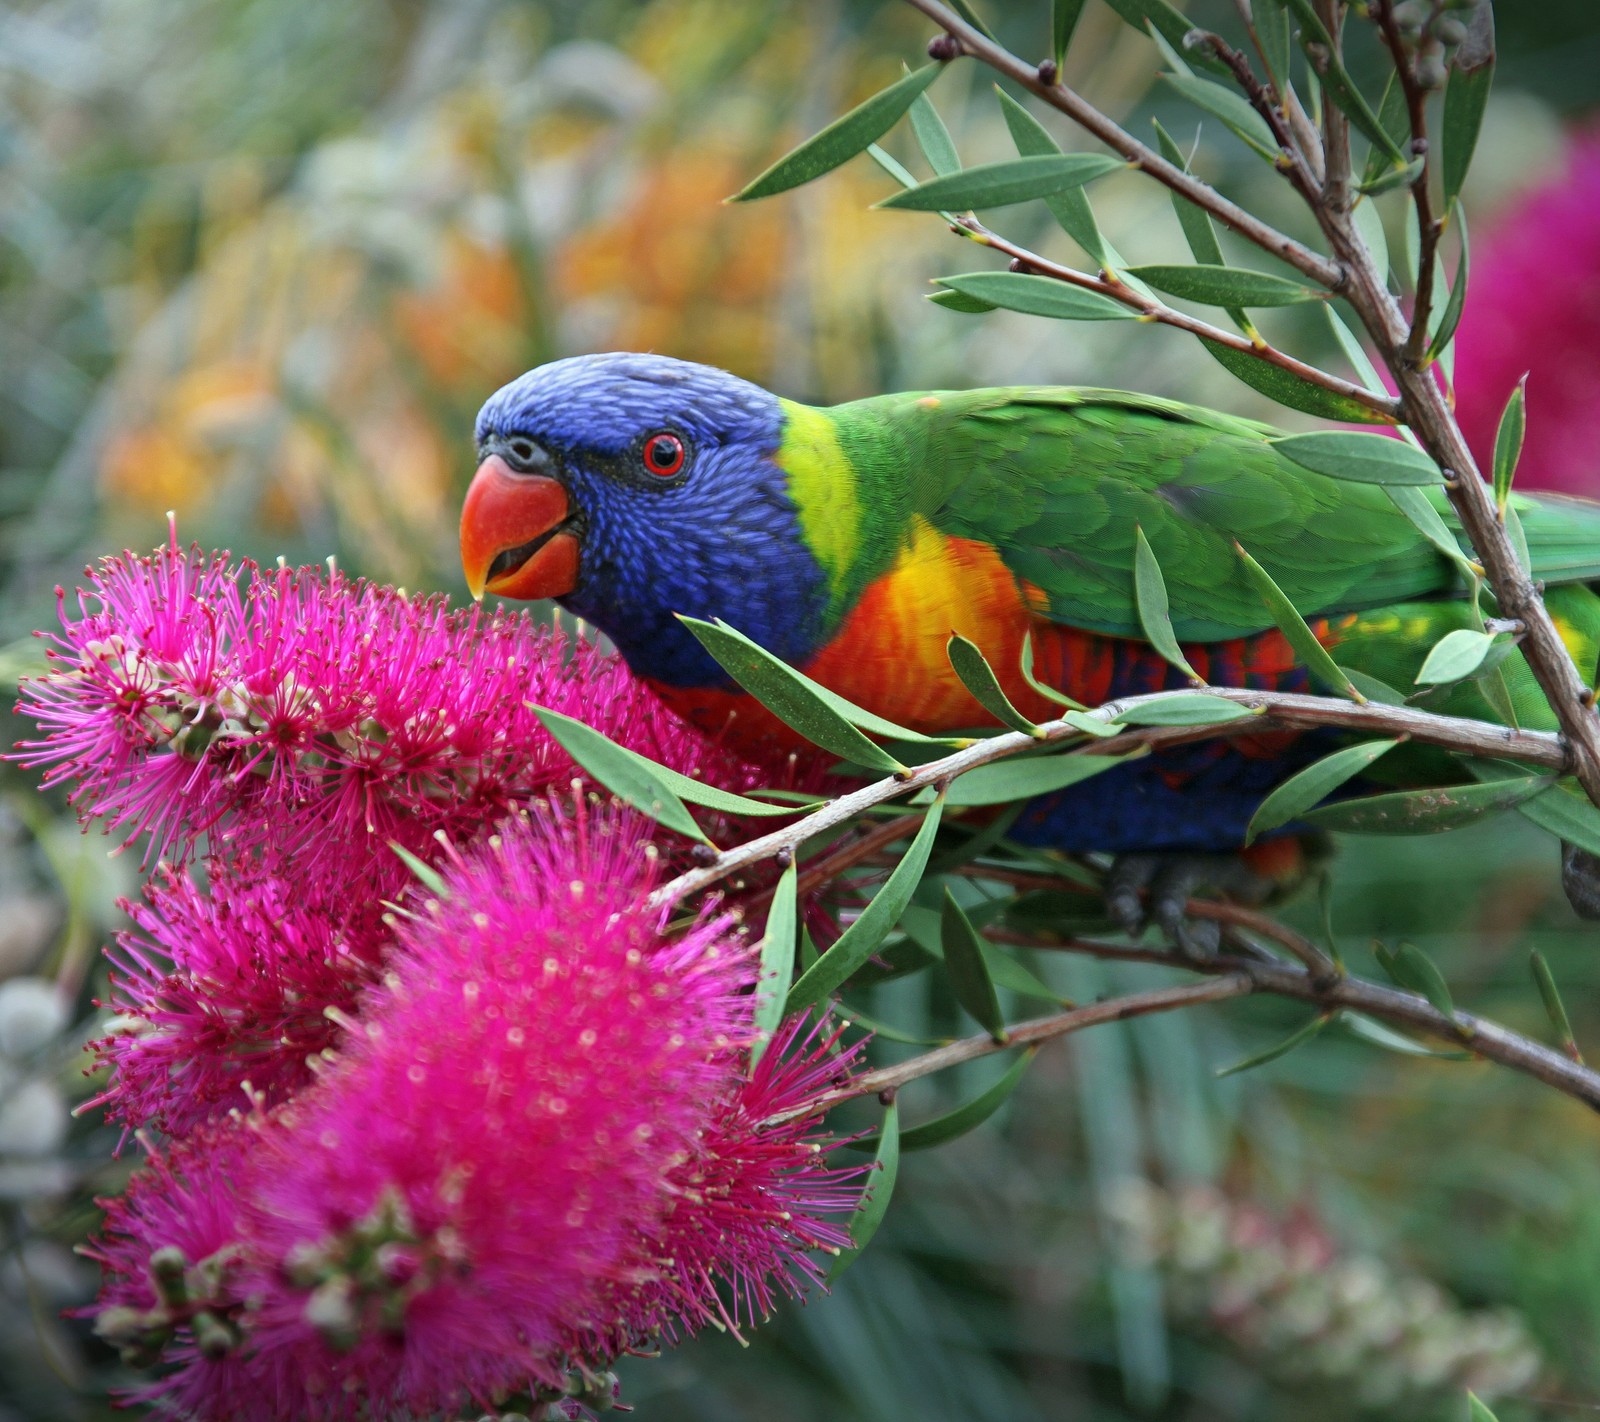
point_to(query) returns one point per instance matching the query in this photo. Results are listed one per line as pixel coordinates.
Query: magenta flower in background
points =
(1533, 306)
(541, 1147)
(323, 716)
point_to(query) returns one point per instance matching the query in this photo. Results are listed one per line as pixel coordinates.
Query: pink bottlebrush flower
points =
(193, 696)
(1533, 306)
(540, 1144)
(241, 984)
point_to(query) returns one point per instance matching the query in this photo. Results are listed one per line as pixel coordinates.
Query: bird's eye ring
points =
(663, 454)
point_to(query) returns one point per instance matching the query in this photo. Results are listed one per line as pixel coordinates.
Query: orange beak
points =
(512, 541)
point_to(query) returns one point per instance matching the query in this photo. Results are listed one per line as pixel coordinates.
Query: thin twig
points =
(1285, 710)
(1152, 310)
(1058, 96)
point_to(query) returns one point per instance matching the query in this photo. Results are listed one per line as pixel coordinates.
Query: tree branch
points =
(1058, 96)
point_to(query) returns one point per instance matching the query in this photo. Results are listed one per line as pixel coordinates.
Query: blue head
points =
(633, 487)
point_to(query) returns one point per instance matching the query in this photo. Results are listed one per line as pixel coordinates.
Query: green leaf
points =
(1373, 689)
(960, 301)
(1038, 296)
(1395, 119)
(1393, 178)
(1363, 458)
(1295, 631)
(631, 778)
(777, 962)
(1369, 226)
(1338, 85)
(1450, 317)
(782, 689)
(978, 677)
(1466, 95)
(1565, 811)
(1519, 539)
(1226, 286)
(874, 1203)
(1271, 28)
(1476, 1411)
(842, 139)
(964, 1118)
(1414, 970)
(1199, 233)
(1554, 1008)
(1150, 600)
(1196, 710)
(1360, 361)
(1070, 208)
(1233, 109)
(1048, 692)
(1427, 811)
(1313, 785)
(1508, 442)
(1370, 1030)
(1012, 180)
(1169, 24)
(1022, 777)
(968, 969)
(1415, 505)
(1063, 21)
(1278, 1049)
(892, 166)
(1091, 725)
(1455, 656)
(926, 927)
(863, 938)
(967, 13)
(424, 873)
(933, 137)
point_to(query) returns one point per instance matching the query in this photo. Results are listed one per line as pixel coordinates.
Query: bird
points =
(852, 541)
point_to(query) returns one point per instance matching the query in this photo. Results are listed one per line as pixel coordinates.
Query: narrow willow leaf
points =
(960, 301)
(968, 969)
(1476, 1410)
(976, 845)
(842, 139)
(1278, 1049)
(1197, 710)
(1167, 23)
(1038, 296)
(978, 677)
(423, 872)
(1395, 119)
(1519, 539)
(1369, 225)
(964, 1118)
(926, 927)
(1226, 286)
(1338, 85)
(892, 166)
(1022, 778)
(1449, 318)
(850, 1015)
(1313, 785)
(933, 137)
(1231, 108)
(1048, 692)
(1064, 16)
(1414, 969)
(1416, 506)
(1070, 208)
(1566, 812)
(1466, 95)
(1369, 1029)
(967, 13)
(1508, 442)
(864, 937)
(1296, 632)
(1393, 178)
(1455, 656)
(1354, 352)
(1428, 811)
(777, 962)
(874, 1204)
(720, 639)
(1270, 25)
(1363, 458)
(1150, 600)
(1196, 224)
(1554, 1008)
(1002, 184)
(631, 778)
(1091, 725)
(1373, 689)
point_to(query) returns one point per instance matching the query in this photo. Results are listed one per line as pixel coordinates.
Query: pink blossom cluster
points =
(431, 1146)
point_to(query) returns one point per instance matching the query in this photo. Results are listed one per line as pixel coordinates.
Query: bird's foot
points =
(1155, 888)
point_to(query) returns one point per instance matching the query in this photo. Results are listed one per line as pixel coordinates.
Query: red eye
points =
(663, 455)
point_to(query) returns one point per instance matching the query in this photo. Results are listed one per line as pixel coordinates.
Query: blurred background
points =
(259, 264)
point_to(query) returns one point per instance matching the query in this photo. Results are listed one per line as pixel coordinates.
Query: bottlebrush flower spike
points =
(192, 696)
(540, 1145)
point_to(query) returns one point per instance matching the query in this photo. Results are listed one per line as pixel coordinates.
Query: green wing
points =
(1058, 479)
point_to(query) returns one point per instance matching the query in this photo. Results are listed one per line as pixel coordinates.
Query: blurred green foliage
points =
(259, 263)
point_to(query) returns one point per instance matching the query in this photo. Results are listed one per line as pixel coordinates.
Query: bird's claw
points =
(1146, 889)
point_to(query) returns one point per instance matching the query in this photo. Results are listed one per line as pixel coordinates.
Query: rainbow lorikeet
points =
(852, 541)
